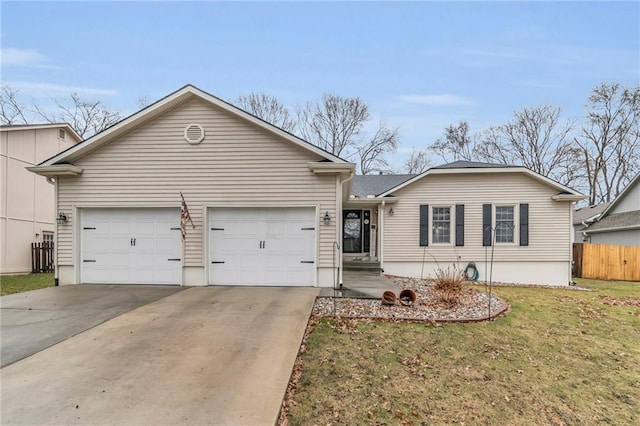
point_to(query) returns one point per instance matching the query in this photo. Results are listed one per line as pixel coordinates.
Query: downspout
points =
(339, 224)
(56, 280)
(585, 237)
(381, 236)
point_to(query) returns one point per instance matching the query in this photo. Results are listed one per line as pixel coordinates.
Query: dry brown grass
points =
(559, 357)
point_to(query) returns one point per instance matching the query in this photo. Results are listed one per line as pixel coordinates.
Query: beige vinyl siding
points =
(549, 221)
(237, 164)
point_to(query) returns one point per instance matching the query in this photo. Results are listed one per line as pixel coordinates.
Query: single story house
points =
(269, 208)
(27, 210)
(583, 217)
(619, 223)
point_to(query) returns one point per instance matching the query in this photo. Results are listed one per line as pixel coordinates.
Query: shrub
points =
(449, 284)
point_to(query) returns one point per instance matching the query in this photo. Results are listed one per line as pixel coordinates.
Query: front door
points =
(352, 231)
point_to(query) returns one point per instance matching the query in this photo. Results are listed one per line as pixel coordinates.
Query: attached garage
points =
(131, 246)
(264, 205)
(262, 246)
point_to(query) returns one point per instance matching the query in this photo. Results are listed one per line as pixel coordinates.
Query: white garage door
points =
(131, 246)
(268, 246)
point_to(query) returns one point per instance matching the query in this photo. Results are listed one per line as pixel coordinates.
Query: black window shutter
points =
(460, 224)
(524, 224)
(424, 225)
(486, 224)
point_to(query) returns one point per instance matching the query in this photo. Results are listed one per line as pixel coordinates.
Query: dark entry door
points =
(352, 231)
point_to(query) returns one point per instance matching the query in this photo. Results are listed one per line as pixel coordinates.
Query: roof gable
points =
(564, 193)
(629, 190)
(167, 103)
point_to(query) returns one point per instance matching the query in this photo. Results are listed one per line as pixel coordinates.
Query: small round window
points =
(194, 134)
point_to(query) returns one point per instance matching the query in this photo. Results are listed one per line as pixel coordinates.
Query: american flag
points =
(184, 218)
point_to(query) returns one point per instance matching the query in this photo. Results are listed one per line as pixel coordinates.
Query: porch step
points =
(353, 265)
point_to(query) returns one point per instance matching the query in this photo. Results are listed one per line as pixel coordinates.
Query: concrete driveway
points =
(35, 320)
(209, 355)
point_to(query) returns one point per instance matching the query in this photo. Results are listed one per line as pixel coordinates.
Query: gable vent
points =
(194, 134)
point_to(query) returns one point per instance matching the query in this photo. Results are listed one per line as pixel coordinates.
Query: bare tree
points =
(87, 117)
(267, 108)
(457, 143)
(142, 101)
(417, 162)
(371, 152)
(12, 111)
(334, 123)
(337, 125)
(610, 140)
(536, 138)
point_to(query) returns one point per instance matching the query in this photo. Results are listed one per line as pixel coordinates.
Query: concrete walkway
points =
(364, 284)
(211, 355)
(35, 320)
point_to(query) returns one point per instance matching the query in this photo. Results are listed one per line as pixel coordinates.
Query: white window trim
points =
(516, 224)
(452, 222)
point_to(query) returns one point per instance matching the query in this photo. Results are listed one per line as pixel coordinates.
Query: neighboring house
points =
(470, 212)
(583, 217)
(619, 223)
(27, 201)
(271, 209)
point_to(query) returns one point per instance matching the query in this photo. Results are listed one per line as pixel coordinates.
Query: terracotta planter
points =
(407, 297)
(388, 298)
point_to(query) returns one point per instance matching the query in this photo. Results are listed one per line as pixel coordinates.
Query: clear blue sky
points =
(420, 65)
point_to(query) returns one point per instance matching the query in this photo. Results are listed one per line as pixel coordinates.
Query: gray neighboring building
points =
(583, 217)
(619, 223)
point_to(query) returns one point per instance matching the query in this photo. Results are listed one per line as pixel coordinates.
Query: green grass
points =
(559, 357)
(10, 284)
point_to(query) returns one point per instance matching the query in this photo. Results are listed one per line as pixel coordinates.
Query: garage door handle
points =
(217, 262)
(307, 261)
(174, 260)
(88, 228)
(89, 261)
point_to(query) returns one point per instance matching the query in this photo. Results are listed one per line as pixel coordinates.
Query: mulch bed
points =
(473, 305)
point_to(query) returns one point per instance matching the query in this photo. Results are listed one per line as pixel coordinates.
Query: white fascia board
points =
(56, 170)
(367, 201)
(175, 98)
(324, 167)
(567, 197)
(519, 169)
(616, 228)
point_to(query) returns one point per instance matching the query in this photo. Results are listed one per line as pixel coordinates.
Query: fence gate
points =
(606, 262)
(42, 257)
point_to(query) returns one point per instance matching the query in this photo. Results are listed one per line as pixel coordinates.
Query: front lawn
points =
(10, 284)
(559, 357)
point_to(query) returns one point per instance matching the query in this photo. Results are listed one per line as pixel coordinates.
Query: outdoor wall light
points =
(326, 219)
(391, 211)
(61, 218)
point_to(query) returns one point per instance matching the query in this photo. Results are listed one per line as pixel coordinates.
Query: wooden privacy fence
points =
(42, 257)
(606, 262)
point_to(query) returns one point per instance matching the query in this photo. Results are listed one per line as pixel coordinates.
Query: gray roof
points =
(471, 165)
(588, 212)
(617, 220)
(361, 186)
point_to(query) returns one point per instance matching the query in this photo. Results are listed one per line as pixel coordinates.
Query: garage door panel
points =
(262, 246)
(131, 246)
